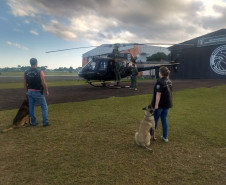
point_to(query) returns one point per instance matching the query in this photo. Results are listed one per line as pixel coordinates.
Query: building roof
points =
(107, 48)
(195, 42)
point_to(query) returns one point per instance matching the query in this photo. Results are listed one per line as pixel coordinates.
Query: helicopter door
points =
(102, 67)
(122, 68)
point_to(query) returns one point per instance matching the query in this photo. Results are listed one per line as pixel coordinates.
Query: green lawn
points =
(16, 85)
(46, 73)
(92, 142)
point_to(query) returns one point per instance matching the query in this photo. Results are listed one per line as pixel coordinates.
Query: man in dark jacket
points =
(35, 85)
(134, 73)
(117, 72)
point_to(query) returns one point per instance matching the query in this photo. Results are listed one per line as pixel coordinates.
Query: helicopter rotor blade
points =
(119, 45)
(69, 49)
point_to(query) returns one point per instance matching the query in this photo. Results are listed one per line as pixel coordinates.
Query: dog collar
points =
(148, 116)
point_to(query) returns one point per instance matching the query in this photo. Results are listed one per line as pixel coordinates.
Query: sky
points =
(29, 28)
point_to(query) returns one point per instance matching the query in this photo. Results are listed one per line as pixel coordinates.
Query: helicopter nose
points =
(83, 74)
(80, 73)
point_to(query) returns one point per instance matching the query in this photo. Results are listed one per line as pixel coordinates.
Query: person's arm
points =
(25, 84)
(158, 96)
(44, 84)
(136, 71)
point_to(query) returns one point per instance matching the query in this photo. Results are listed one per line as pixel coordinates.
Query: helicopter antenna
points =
(69, 49)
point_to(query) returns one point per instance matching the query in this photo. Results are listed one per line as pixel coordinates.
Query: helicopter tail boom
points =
(146, 67)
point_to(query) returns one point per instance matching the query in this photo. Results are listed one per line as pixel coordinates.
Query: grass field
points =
(15, 85)
(92, 142)
(46, 73)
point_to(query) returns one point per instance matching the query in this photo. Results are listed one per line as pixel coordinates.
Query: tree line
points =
(159, 56)
(43, 68)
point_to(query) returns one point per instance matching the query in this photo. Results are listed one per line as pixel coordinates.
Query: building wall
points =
(133, 51)
(195, 62)
(203, 57)
(85, 61)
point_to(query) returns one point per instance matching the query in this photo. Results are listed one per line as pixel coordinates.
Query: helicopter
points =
(102, 69)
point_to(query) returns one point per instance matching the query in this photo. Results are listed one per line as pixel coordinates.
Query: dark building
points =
(203, 57)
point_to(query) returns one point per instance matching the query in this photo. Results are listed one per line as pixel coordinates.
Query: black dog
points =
(22, 117)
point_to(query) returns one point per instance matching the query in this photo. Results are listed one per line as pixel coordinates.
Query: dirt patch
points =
(12, 98)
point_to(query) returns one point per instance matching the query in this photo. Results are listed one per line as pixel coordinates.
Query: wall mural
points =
(218, 60)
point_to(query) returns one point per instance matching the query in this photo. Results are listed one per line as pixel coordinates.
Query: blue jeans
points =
(163, 114)
(33, 97)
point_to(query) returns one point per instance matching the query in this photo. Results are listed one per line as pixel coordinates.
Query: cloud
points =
(109, 21)
(17, 45)
(60, 30)
(34, 32)
(22, 8)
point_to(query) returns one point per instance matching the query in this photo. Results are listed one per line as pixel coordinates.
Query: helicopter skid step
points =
(114, 87)
(117, 86)
(108, 85)
(98, 85)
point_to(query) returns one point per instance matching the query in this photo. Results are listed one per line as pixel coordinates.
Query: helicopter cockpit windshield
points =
(91, 66)
(96, 67)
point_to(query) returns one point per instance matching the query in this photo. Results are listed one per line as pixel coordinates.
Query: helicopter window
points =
(123, 64)
(93, 65)
(103, 64)
(90, 66)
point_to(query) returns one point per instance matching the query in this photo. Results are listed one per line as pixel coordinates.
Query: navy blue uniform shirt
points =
(163, 86)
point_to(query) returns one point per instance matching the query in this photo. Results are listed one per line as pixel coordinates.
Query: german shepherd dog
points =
(22, 117)
(143, 137)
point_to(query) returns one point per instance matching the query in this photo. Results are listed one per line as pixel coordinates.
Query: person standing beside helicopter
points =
(117, 72)
(34, 85)
(134, 73)
(162, 100)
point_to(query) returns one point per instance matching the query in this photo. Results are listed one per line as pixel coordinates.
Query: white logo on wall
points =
(218, 60)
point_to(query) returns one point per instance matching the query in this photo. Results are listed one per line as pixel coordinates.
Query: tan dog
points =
(143, 137)
(22, 117)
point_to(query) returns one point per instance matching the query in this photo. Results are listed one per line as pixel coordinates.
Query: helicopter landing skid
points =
(103, 84)
(107, 85)
(116, 86)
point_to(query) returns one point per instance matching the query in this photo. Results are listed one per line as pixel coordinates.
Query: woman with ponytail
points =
(162, 100)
